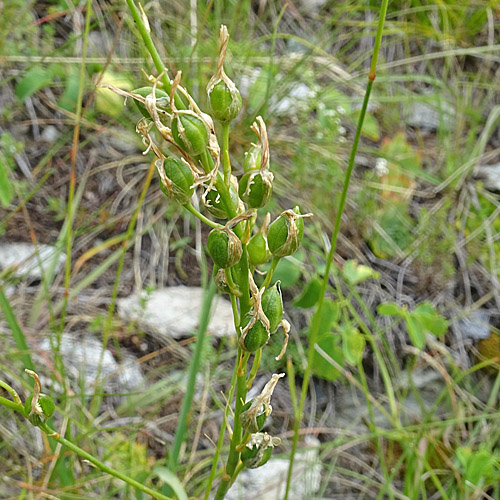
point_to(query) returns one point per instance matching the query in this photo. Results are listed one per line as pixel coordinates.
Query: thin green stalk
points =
(270, 273)
(10, 404)
(222, 433)
(380, 451)
(142, 25)
(234, 455)
(101, 466)
(225, 154)
(200, 216)
(95, 403)
(187, 401)
(333, 243)
(17, 333)
(72, 175)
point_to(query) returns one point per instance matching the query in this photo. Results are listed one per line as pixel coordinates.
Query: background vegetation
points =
(413, 332)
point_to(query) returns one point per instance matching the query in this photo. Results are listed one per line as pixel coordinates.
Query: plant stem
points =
(314, 331)
(145, 33)
(222, 433)
(225, 154)
(10, 404)
(234, 455)
(200, 216)
(104, 468)
(269, 275)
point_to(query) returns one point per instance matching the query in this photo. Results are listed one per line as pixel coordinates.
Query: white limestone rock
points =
(173, 312)
(22, 259)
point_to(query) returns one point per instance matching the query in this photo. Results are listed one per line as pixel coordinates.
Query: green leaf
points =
(416, 332)
(310, 294)
(329, 315)
(6, 191)
(389, 309)
(169, 478)
(288, 271)
(479, 466)
(430, 319)
(354, 273)
(329, 343)
(70, 95)
(353, 345)
(35, 79)
(370, 125)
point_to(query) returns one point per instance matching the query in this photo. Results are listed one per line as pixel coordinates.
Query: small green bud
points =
(272, 305)
(257, 335)
(256, 187)
(285, 233)
(224, 247)
(162, 99)
(180, 180)
(190, 132)
(225, 101)
(258, 250)
(253, 158)
(44, 410)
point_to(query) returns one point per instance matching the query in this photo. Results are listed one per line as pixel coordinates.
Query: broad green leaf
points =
(288, 271)
(430, 319)
(389, 309)
(416, 332)
(355, 273)
(329, 316)
(169, 478)
(329, 343)
(353, 345)
(70, 95)
(310, 294)
(35, 79)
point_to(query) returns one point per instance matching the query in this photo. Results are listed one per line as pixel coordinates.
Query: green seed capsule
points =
(285, 233)
(258, 250)
(272, 305)
(256, 337)
(256, 187)
(258, 450)
(224, 247)
(190, 133)
(180, 180)
(256, 422)
(46, 409)
(162, 99)
(224, 102)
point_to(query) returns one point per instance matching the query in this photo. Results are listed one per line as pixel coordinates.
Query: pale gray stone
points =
(490, 175)
(22, 259)
(269, 481)
(428, 116)
(173, 312)
(50, 134)
(82, 357)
